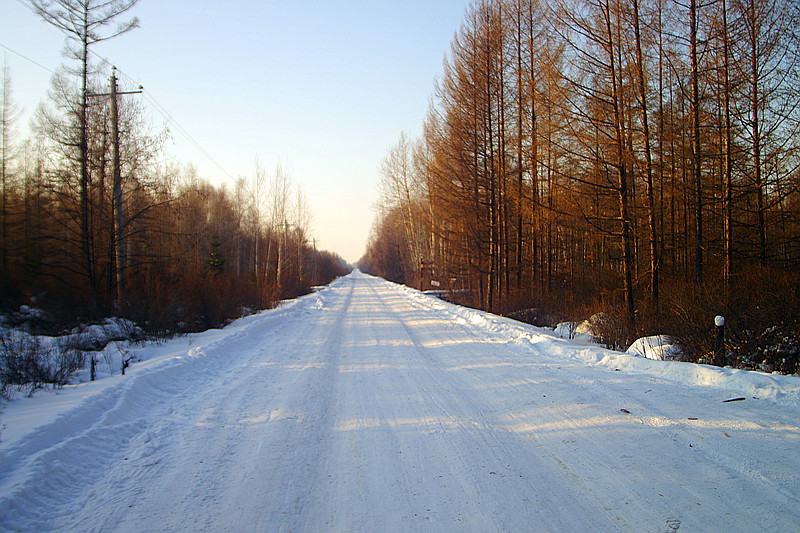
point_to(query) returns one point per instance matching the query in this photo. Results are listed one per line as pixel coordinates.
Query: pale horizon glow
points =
(323, 89)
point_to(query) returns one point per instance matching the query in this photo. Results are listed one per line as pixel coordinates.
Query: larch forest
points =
(635, 161)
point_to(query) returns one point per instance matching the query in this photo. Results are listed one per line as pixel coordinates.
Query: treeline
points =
(95, 222)
(633, 157)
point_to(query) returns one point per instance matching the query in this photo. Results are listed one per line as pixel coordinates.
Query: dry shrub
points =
(610, 329)
(28, 363)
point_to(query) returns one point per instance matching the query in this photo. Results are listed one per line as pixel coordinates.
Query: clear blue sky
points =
(324, 88)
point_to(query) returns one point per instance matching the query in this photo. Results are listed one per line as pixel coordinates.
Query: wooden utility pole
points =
(314, 262)
(281, 252)
(119, 213)
(117, 207)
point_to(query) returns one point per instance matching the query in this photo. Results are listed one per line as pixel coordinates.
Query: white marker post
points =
(719, 359)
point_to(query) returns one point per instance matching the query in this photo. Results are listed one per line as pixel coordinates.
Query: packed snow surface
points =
(371, 407)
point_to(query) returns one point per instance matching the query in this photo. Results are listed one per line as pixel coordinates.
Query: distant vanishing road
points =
(370, 407)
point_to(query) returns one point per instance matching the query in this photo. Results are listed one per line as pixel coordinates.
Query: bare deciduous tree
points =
(84, 22)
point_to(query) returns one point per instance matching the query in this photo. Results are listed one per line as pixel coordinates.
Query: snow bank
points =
(774, 387)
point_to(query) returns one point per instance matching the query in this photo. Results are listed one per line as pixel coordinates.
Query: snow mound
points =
(586, 331)
(577, 331)
(97, 336)
(658, 347)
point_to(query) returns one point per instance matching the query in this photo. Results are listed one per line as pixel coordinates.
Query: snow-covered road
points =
(370, 407)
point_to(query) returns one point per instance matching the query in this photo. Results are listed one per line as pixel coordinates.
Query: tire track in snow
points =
(476, 453)
(253, 449)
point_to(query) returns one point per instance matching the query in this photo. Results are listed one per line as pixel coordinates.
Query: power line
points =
(26, 58)
(26, 6)
(147, 95)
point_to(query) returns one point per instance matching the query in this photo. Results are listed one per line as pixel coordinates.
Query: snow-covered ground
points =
(371, 407)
